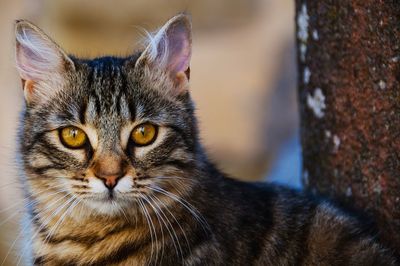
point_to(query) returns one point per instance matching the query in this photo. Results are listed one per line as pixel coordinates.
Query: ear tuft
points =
(37, 55)
(38, 58)
(170, 49)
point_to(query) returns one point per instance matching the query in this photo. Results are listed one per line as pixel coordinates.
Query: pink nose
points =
(110, 181)
(109, 169)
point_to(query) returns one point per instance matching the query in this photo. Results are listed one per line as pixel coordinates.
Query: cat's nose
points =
(110, 181)
(109, 169)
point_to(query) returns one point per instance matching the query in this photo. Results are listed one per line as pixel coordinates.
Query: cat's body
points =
(116, 175)
(247, 224)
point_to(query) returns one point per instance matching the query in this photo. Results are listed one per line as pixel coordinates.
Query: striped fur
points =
(172, 206)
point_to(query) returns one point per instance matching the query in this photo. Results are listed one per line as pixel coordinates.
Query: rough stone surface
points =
(355, 63)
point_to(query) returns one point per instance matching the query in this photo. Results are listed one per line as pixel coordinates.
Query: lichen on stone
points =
(316, 103)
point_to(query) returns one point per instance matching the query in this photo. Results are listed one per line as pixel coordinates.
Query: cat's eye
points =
(144, 134)
(73, 137)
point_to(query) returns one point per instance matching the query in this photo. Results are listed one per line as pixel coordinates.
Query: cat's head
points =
(111, 130)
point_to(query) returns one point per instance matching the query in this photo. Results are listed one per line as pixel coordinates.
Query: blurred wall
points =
(10, 105)
(242, 74)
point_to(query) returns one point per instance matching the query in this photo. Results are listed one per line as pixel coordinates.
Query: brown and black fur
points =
(199, 215)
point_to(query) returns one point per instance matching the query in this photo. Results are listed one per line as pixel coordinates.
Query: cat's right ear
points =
(170, 51)
(41, 63)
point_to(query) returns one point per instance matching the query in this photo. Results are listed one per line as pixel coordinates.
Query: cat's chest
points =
(121, 245)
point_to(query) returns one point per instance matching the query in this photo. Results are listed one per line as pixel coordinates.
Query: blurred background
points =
(243, 80)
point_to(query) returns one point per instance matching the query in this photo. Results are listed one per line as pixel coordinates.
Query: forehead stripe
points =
(82, 112)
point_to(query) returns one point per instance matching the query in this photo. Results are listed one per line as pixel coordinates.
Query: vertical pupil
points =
(142, 131)
(74, 132)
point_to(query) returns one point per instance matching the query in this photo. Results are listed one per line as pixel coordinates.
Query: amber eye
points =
(144, 134)
(73, 137)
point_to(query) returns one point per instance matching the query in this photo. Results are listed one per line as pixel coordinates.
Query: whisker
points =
(9, 184)
(26, 205)
(175, 177)
(143, 207)
(25, 228)
(74, 203)
(72, 199)
(121, 209)
(158, 218)
(10, 217)
(38, 192)
(184, 182)
(154, 230)
(70, 208)
(48, 218)
(196, 214)
(176, 221)
(172, 233)
(13, 205)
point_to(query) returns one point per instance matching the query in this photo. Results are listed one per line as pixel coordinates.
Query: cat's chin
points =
(107, 205)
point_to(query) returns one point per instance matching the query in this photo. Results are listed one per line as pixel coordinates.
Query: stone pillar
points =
(349, 93)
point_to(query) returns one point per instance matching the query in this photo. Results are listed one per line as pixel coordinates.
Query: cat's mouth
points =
(111, 194)
(108, 196)
(109, 202)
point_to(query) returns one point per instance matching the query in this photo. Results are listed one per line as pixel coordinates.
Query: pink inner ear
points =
(173, 48)
(179, 52)
(31, 65)
(36, 58)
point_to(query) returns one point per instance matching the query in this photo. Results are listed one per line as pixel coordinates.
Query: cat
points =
(115, 173)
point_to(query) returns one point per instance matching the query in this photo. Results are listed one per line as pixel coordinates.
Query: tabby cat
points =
(115, 174)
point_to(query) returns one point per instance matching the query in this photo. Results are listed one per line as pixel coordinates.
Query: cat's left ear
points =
(41, 63)
(170, 50)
